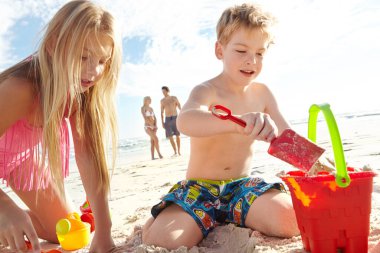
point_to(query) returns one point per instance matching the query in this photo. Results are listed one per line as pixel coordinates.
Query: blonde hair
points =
(248, 16)
(56, 72)
(146, 98)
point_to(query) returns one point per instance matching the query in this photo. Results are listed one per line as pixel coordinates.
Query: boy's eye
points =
(240, 51)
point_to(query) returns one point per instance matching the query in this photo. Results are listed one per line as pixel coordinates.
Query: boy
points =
(217, 187)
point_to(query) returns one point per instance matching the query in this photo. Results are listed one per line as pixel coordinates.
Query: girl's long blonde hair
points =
(56, 72)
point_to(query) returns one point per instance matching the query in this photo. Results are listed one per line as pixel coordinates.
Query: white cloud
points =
(323, 46)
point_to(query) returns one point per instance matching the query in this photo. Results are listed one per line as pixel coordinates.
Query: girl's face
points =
(148, 101)
(96, 53)
(243, 55)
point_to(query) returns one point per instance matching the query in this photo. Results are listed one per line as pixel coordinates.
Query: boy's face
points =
(242, 56)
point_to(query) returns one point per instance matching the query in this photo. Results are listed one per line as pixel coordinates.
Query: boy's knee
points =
(145, 230)
(287, 223)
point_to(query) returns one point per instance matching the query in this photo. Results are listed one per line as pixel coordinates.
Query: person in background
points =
(70, 79)
(150, 126)
(169, 105)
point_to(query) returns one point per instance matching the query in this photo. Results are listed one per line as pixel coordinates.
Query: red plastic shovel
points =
(289, 146)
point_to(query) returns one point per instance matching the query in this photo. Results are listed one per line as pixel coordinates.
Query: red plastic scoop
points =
(295, 149)
(289, 146)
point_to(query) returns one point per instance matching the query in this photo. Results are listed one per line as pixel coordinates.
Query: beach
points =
(138, 183)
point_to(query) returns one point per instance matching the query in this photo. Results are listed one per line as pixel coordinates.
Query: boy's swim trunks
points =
(211, 201)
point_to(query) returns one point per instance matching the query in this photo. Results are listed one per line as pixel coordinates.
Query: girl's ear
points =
(218, 50)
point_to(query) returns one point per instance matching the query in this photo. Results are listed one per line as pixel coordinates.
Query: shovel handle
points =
(226, 114)
(342, 178)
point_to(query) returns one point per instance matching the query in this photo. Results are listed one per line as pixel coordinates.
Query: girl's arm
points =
(143, 113)
(102, 241)
(16, 100)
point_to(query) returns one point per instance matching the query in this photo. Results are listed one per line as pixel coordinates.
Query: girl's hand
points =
(14, 224)
(259, 126)
(102, 244)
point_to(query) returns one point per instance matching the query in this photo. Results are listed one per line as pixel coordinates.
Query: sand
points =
(138, 183)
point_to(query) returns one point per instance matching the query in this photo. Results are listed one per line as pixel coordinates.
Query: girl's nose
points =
(93, 68)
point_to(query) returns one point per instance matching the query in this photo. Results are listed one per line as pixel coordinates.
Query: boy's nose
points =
(251, 59)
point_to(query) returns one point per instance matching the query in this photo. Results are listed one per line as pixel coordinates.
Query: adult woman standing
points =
(150, 126)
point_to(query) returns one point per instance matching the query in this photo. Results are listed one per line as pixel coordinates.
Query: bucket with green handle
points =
(332, 209)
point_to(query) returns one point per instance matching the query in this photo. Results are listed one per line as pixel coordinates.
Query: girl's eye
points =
(240, 51)
(84, 58)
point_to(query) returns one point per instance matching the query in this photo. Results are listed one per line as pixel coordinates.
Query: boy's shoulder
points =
(261, 88)
(205, 87)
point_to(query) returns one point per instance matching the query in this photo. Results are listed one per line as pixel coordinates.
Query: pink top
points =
(20, 154)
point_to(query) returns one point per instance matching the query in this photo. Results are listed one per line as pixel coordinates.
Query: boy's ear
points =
(218, 50)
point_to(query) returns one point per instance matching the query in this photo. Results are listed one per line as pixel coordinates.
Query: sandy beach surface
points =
(138, 183)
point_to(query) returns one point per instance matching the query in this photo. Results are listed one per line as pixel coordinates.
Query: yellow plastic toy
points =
(72, 233)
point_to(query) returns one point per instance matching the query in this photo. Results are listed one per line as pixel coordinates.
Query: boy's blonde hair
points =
(248, 16)
(55, 71)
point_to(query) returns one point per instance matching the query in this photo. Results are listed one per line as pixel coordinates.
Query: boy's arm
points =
(196, 120)
(178, 104)
(162, 114)
(271, 108)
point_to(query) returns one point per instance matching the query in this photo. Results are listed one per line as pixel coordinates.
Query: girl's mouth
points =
(86, 83)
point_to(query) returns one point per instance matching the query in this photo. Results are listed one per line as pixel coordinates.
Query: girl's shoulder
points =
(17, 96)
(18, 88)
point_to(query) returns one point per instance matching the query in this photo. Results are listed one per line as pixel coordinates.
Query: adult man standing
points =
(169, 106)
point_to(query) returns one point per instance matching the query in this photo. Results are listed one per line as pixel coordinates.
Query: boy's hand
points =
(259, 126)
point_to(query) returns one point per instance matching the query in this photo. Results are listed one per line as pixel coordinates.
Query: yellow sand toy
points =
(72, 233)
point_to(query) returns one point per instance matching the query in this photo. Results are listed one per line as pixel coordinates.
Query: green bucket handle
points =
(342, 178)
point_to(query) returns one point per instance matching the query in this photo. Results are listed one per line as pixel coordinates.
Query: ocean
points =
(138, 148)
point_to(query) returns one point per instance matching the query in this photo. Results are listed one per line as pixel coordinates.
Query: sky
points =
(326, 51)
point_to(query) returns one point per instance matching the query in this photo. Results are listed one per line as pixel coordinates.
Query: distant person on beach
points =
(71, 78)
(150, 126)
(218, 188)
(169, 105)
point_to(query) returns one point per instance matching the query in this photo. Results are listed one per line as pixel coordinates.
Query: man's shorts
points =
(171, 126)
(215, 201)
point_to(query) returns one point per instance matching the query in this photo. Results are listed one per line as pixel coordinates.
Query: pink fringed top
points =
(20, 156)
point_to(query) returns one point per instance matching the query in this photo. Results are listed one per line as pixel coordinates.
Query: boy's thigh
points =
(174, 224)
(269, 209)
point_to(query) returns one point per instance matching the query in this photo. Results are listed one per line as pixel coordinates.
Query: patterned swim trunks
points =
(211, 201)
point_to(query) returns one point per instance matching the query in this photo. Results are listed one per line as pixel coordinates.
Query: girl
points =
(72, 77)
(150, 126)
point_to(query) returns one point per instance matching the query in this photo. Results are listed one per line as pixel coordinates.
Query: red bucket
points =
(330, 217)
(332, 211)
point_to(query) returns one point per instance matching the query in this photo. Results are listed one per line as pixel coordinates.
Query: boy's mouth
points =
(247, 72)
